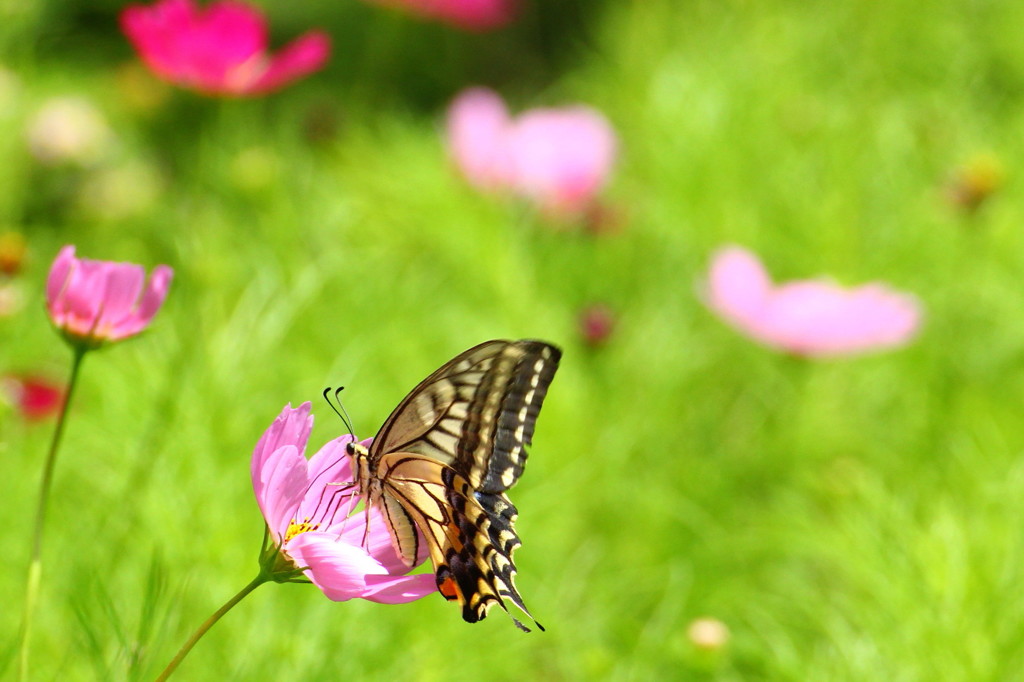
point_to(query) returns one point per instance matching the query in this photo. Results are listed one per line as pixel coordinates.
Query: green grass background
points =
(853, 519)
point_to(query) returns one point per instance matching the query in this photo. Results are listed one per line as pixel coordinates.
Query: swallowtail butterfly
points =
(444, 460)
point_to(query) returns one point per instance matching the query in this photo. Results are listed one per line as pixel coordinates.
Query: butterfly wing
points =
(448, 453)
(476, 413)
(470, 534)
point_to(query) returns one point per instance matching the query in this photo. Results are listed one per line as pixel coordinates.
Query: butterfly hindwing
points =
(470, 534)
(446, 456)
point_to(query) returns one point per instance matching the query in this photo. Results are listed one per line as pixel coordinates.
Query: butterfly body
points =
(444, 459)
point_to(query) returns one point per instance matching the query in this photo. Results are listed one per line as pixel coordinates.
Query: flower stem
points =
(208, 623)
(35, 567)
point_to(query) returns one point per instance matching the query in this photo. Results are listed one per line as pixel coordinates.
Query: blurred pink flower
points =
(808, 317)
(92, 302)
(219, 50)
(35, 397)
(307, 515)
(471, 15)
(559, 159)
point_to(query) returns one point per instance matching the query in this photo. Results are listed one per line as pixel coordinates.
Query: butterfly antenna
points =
(340, 409)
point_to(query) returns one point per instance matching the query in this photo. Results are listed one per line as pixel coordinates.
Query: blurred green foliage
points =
(848, 520)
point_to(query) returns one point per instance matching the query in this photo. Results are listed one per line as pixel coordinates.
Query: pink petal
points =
(478, 126)
(809, 317)
(330, 495)
(738, 285)
(291, 427)
(152, 299)
(377, 542)
(84, 295)
(56, 281)
(341, 571)
(219, 49)
(279, 486)
(280, 474)
(36, 398)
(331, 464)
(399, 589)
(562, 157)
(123, 287)
(306, 54)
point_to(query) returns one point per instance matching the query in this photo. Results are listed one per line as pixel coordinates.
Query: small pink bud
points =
(596, 323)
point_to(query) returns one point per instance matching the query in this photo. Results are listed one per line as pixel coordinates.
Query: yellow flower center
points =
(295, 528)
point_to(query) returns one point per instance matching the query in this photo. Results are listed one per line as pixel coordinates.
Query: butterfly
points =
(443, 461)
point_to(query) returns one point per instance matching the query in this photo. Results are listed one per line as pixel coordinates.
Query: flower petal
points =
(279, 467)
(477, 131)
(330, 493)
(219, 49)
(386, 589)
(279, 486)
(57, 280)
(808, 317)
(152, 299)
(290, 427)
(342, 571)
(562, 157)
(123, 287)
(306, 54)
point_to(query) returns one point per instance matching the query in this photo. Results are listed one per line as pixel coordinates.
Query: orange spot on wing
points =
(448, 589)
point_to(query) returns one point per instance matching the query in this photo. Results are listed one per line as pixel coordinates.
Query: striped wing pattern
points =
(446, 456)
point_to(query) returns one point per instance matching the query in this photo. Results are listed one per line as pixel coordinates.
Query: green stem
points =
(187, 647)
(35, 567)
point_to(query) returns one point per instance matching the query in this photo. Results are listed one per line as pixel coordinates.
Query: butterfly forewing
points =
(447, 454)
(429, 420)
(502, 415)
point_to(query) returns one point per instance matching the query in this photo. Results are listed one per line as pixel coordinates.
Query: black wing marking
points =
(476, 413)
(429, 419)
(502, 415)
(470, 534)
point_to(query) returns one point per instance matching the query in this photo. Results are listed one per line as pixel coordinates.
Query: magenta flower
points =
(559, 159)
(306, 505)
(808, 317)
(471, 15)
(92, 302)
(219, 50)
(35, 397)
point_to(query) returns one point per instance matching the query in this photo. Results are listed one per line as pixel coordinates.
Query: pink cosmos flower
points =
(808, 317)
(471, 15)
(307, 515)
(93, 301)
(35, 397)
(559, 159)
(219, 50)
